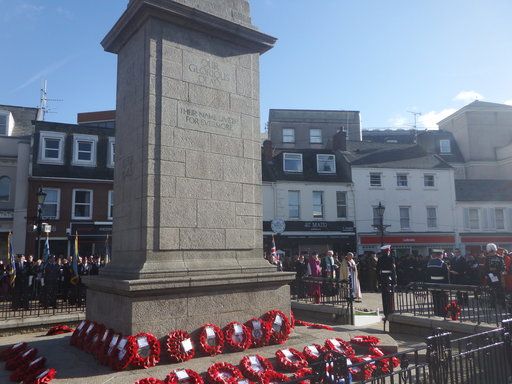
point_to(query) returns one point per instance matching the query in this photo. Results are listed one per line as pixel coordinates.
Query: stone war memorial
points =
(187, 242)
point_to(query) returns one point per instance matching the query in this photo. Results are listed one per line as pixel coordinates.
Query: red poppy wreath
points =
(149, 380)
(28, 369)
(303, 373)
(21, 358)
(313, 352)
(13, 350)
(386, 365)
(83, 336)
(123, 354)
(279, 326)
(211, 340)
(253, 367)
(237, 336)
(42, 376)
(76, 333)
(184, 375)
(223, 373)
(362, 372)
(93, 337)
(260, 332)
(104, 345)
(273, 377)
(365, 340)
(339, 345)
(147, 351)
(179, 346)
(58, 330)
(290, 359)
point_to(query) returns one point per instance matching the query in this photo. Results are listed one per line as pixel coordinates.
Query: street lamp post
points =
(41, 196)
(380, 227)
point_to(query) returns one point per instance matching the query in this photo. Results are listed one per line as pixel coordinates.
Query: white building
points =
(311, 191)
(484, 214)
(417, 191)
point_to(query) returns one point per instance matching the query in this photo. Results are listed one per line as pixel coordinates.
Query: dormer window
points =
(84, 150)
(444, 146)
(288, 135)
(325, 164)
(315, 136)
(51, 147)
(4, 124)
(292, 162)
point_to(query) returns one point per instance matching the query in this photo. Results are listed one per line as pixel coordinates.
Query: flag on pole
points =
(273, 250)
(75, 278)
(12, 259)
(107, 251)
(46, 252)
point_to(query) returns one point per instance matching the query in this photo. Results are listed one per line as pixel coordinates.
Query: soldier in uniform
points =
(438, 273)
(494, 270)
(386, 272)
(51, 281)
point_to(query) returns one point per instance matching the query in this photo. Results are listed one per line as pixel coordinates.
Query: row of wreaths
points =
(143, 350)
(25, 365)
(258, 369)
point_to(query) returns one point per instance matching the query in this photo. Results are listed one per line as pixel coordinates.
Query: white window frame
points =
(425, 180)
(73, 204)
(402, 219)
(398, 176)
(298, 205)
(330, 157)
(110, 208)
(477, 218)
(292, 130)
(57, 211)
(502, 228)
(445, 144)
(8, 128)
(431, 218)
(111, 152)
(311, 136)
(338, 205)
(380, 179)
(285, 155)
(61, 136)
(93, 139)
(322, 204)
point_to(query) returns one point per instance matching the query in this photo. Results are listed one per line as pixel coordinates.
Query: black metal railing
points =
(483, 358)
(37, 300)
(478, 304)
(320, 290)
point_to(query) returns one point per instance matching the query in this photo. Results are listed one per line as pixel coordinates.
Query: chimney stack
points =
(268, 151)
(339, 140)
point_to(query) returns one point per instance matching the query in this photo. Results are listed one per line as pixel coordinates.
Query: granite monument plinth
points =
(187, 231)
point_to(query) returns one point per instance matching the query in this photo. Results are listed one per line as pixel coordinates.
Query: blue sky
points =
(383, 58)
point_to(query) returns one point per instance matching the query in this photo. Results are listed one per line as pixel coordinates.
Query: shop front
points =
(475, 243)
(408, 244)
(93, 238)
(311, 236)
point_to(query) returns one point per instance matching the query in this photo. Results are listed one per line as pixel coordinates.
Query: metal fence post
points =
(439, 356)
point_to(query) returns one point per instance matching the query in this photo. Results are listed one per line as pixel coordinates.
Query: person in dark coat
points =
(460, 268)
(494, 270)
(95, 266)
(51, 281)
(386, 271)
(21, 284)
(300, 271)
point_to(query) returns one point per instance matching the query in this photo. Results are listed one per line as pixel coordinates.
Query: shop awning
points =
(408, 239)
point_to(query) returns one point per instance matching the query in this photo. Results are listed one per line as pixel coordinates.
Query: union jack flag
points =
(273, 250)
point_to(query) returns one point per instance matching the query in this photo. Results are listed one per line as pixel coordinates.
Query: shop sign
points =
(312, 226)
(91, 229)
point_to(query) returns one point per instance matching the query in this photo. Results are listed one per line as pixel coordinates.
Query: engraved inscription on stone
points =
(209, 72)
(192, 116)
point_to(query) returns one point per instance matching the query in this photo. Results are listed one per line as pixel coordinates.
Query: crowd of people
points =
(492, 267)
(46, 281)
